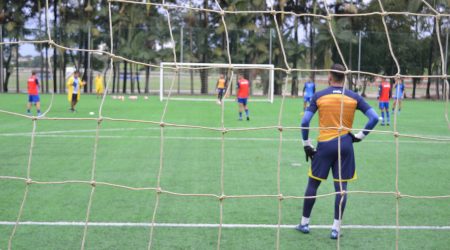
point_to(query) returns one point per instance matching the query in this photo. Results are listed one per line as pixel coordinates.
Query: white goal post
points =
(197, 81)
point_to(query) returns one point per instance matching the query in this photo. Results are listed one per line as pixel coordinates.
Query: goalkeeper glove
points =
(358, 137)
(310, 151)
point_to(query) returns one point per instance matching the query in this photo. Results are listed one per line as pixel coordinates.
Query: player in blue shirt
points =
(308, 91)
(399, 92)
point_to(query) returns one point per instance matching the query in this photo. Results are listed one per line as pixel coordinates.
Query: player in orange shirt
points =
(33, 93)
(329, 103)
(243, 90)
(384, 95)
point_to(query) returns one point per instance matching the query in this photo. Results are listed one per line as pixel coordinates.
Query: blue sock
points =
(382, 115)
(240, 115)
(28, 111)
(39, 111)
(388, 117)
(311, 190)
(246, 112)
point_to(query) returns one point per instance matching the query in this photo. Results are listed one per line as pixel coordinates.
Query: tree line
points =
(141, 33)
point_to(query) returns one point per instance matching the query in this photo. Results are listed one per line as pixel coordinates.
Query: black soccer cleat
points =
(302, 228)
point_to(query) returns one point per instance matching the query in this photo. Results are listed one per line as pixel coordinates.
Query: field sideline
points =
(128, 154)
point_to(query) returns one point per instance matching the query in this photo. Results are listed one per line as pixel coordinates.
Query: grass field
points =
(129, 154)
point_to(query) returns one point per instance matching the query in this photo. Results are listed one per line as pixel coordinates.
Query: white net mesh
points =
(170, 89)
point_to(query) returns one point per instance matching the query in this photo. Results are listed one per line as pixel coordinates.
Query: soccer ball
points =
(91, 113)
(380, 118)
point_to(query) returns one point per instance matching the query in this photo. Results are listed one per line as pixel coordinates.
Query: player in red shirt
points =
(243, 87)
(384, 94)
(33, 93)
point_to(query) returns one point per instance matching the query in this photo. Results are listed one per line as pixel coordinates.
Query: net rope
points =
(159, 190)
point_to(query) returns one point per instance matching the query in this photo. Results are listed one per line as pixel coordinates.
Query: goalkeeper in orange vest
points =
(243, 90)
(221, 86)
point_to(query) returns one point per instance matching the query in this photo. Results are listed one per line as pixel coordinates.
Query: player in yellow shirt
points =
(221, 86)
(74, 85)
(99, 85)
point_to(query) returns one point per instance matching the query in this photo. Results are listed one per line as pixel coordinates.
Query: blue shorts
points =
(326, 158)
(401, 97)
(220, 91)
(384, 105)
(307, 99)
(243, 101)
(33, 98)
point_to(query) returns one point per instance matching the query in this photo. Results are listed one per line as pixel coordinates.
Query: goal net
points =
(198, 81)
(228, 185)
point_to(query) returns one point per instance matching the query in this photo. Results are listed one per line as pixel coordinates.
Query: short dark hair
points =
(338, 76)
(33, 72)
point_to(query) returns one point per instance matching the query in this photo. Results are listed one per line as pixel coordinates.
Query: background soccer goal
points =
(197, 81)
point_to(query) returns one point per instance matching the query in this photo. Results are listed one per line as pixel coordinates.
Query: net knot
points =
(398, 195)
(384, 13)
(158, 190)
(396, 134)
(93, 183)
(29, 181)
(222, 13)
(289, 71)
(222, 197)
(224, 131)
(444, 76)
(162, 124)
(99, 120)
(280, 197)
(280, 128)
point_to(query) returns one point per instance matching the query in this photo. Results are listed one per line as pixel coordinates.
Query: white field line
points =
(60, 134)
(193, 225)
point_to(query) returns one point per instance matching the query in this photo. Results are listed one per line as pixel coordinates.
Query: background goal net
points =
(198, 80)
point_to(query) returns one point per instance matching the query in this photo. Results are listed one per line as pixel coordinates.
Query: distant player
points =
(33, 93)
(308, 91)
(243, 90)
(221, 86)
(384, 95)
(74, 85)
(99, 85)
(328, 103)
(399, 92)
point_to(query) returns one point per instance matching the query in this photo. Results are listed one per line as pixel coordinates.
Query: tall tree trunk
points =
(17, 69)
(430, 59)
(55, 16)
(191, 72)
(147, 79)
(138, 84)
(46, 69)
(131, 78)
(114, 69)
(415, 82)
(363, 92)
(294, 87)
(125, 76)
(8, 73)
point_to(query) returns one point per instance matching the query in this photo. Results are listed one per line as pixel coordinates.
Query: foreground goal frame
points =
(232, 67)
